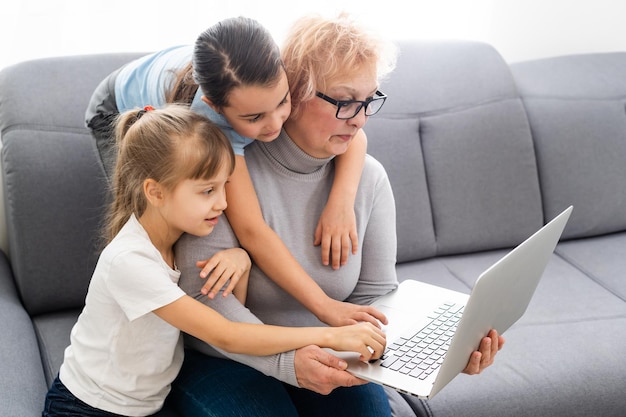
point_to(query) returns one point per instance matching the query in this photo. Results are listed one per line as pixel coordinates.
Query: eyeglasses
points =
(347, 109)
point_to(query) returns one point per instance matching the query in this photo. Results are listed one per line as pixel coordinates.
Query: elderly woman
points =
(333, 68)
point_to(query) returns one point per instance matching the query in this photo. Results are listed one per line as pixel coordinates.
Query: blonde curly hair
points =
(317, 50)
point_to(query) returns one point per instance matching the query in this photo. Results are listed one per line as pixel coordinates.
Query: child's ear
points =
(210, 104)
(153, 191)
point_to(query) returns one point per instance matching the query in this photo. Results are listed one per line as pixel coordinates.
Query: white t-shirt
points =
(122, 357)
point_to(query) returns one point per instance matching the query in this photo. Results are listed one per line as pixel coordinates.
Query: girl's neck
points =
(160, 234)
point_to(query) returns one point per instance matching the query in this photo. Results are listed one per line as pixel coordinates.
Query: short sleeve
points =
(140, 283)
(237, 141)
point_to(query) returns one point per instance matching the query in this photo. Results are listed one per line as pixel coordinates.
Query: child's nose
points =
(221, 203)
(277, 121)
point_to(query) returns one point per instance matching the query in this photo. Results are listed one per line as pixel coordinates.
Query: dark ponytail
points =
(235, 52)
(184, 87)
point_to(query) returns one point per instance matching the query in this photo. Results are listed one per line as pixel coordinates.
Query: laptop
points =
(432, 331)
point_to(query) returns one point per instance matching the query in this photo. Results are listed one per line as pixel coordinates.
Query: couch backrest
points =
(577, 109)
(456, 143)
(54, 189)
(454, 137)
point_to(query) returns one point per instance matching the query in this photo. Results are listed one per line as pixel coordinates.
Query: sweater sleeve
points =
(279, 366)
(190, 249)
(379, 243)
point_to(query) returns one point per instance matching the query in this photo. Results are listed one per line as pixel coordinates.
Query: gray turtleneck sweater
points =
(292, 188)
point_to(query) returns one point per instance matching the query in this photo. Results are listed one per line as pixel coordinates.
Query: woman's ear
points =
(154, 192)
(210, 104)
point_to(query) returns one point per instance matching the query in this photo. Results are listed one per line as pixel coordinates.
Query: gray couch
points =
(480, 154)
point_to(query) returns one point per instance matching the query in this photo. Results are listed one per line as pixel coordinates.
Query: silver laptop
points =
(432, 331)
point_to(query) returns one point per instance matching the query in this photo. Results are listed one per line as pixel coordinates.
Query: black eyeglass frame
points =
(379, 95)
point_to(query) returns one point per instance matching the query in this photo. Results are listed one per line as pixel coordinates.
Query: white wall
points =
(531, 29)
(519, 29)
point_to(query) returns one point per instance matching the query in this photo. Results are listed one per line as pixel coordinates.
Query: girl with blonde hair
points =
(126, 347)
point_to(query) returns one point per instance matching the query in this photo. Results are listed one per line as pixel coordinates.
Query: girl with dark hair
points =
(235, 76)
(334, 67)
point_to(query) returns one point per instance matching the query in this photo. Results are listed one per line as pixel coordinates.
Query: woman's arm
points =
(198, 320)
(271, 255)
(336, 229)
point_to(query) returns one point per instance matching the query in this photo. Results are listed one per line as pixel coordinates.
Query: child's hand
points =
(336, 232)
(340, 313)
(225, 267)
(364, 338)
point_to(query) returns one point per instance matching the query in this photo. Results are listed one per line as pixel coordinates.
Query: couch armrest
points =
(22, 382)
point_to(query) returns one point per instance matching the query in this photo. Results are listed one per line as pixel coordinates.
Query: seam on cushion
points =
(455, 276)
(579, 320)
(454, 109)
(588, 274)
(577, 98)
(44, 128)
(536, 156)
(43, 349)
(427, 183)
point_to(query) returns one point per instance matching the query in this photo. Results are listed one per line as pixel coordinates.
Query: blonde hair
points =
(168, 145)
(318, 49)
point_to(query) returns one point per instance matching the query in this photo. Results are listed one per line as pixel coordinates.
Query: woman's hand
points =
(320, 371)
(224, 269)
(336, 232)
(486, 353)
(341, 313)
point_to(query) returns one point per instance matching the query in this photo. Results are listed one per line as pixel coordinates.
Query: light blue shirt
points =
(143, 82)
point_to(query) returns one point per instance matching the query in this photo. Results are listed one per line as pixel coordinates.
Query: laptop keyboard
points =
(419, 353)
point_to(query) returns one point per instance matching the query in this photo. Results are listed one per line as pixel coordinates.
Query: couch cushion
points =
(32, 100)
(482, 177)
(21, 364)
(564, 294)
(53, 334)
(597, 76)
(470, 182)
(416, 236)
(53, 214)
(577, 109)
(586, 381)
(436, 76)
(601, 259)
(588, 176)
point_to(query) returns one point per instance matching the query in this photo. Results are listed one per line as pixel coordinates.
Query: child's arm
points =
(241, 289)
(198, 320)
(336, 229)
(273, 257)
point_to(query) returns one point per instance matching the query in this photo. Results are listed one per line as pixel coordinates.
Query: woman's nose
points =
(360, 119)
